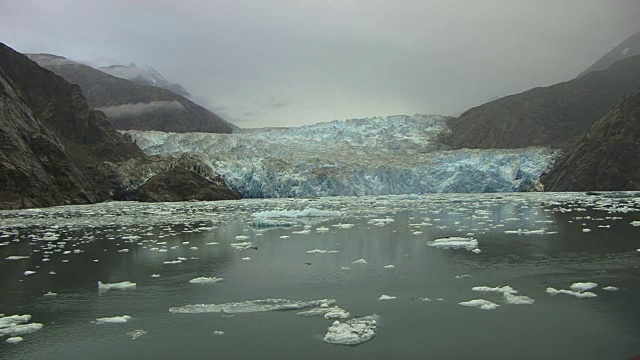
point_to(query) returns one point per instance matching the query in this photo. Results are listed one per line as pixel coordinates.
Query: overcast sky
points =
(288, 62)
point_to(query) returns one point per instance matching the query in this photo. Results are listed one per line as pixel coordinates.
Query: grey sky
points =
(288, 62)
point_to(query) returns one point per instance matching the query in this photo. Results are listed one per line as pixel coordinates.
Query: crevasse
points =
(375, 156)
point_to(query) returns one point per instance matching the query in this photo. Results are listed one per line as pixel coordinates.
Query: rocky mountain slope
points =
(132, 106)
(607, 157)
(144, 76)
(629, 47)
(55, 149)
(547, 116)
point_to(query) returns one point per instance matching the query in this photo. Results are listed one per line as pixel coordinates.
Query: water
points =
(560, 326)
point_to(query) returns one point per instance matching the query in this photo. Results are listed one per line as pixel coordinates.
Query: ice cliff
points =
(393, 155)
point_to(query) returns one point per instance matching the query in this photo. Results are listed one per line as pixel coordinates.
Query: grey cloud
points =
(126, 110)
(332, 59)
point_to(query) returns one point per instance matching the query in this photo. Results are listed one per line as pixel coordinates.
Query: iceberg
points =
(251, 306)
(102, 287)
(583, 286)
(352, 332)
(480, 303)
(374, 156)
(586, 294)
(113, 320)
(205, 280)
(455, 243)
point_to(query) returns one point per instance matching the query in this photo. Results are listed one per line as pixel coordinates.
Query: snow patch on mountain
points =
(143, 76)
(374, 156)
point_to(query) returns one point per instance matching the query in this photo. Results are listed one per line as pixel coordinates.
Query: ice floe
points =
(387, 297)
(586, 294)
(583, 286)
(14, 340)
(205, 280)
(352, 332)
(360, 261)
(124, 285)
(610, 288)
(480, 303)
(454, 243)
(136, 334)
(499, 289)
(113, 320)
(251, 306)
(15, 325)
(16, 257)
(509, 298)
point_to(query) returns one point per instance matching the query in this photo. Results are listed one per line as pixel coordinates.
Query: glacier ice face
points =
(376, 156)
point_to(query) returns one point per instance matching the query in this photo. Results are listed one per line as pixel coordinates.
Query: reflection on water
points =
(527, 241)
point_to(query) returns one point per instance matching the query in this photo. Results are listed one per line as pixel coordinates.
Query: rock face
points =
(547, 116)
(51, 139)
(183, 185)
(629, 47)
(130, 106)
(605, 158)
(55, 149)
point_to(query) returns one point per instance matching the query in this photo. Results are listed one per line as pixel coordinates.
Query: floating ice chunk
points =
(246, 258)
(425, 299)
(193, 248)
(336, 313)
(120, 285)
(345, 268)
(454, 243)
(212, 243)
(16, 257)
(242, 245)
(389, 267)
(380, 222)
(242, 237)
(352, 332)
(583, 286)
(635, 223)
(476, 251)
(343, 226)
(462, 276)
(302, 232)
(387, 297)
(308, 212)
(610, 288)
(360, 261)
(268, 222)
(123, 250)
(316, 251)
(252, 306)
(586, 294)
(517, 299)
(136, 333)
(13, 325)
(50, 293)
(205, 280)
(481, 303)
(586, 230)
(500, 289)
(322, 229)
(13, 320)
(172, 262)
(14, 340)
(285, 237)
(29, 272)
(218, 332)
(155, 275)
(113, 320)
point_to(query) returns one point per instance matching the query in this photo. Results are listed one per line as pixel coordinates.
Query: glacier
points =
(373, 156)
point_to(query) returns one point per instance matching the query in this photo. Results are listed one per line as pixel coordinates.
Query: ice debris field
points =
(374, 156)
(39, 243)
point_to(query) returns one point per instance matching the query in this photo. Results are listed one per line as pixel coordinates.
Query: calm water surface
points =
(71, 248)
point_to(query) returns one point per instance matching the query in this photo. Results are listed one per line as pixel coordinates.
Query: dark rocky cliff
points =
(547, 116)
(131, 106)
(607, 157)
(55, 149)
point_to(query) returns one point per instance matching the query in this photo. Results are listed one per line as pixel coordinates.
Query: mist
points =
(287, 62)
(127, 110)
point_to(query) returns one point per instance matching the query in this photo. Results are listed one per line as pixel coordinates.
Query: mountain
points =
(144, 76)
(51, 138)
(55, 149)
(546, 116)
(629, 47)
(132, 106)
(607, 157)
